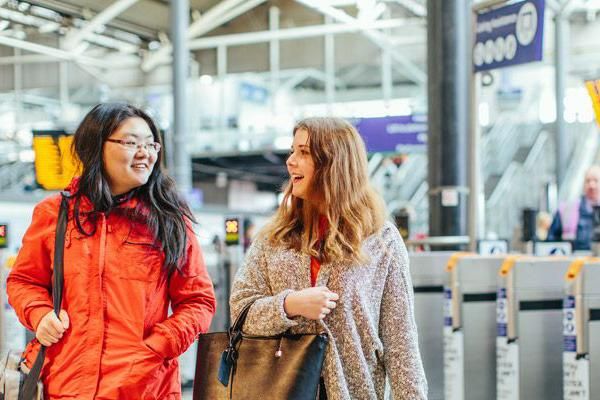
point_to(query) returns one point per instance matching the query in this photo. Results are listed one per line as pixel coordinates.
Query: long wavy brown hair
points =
(352, 209)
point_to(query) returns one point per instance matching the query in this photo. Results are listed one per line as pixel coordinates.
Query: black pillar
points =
(448, 69)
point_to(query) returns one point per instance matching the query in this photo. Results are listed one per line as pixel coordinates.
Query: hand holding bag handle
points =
(30, 385)
(285, 366)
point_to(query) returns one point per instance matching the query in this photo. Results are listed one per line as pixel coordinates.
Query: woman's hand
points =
(51, 329)
(312, 303)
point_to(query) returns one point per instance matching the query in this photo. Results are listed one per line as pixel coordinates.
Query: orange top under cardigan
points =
(315, 263)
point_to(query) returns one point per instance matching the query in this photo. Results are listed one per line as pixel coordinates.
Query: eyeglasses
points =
(153, 147)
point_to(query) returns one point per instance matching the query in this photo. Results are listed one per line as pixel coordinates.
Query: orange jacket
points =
(122, 342)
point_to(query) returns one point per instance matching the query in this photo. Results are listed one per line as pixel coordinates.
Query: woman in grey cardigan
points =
(329, 262)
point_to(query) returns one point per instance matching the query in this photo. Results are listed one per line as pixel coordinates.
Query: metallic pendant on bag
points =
(279, 353)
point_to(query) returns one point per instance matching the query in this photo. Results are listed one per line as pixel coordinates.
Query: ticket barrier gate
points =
(529, 328)
(581, 331)
(470, 327)
(13, 335)
(427, 271)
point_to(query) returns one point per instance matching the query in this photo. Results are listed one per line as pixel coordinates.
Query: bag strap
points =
(30, 385)
(235, 332)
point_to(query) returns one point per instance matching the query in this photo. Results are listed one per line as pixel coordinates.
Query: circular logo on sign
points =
(478, 54)
(510, 47)
(526, 24)
(489, 52)
(499, 56)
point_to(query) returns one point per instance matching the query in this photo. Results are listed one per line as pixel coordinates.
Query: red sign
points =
(3, 236)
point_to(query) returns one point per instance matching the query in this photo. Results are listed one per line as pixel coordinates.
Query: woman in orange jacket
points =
(130, 255)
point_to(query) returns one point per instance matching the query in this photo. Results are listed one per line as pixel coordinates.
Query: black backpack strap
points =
(30, 384)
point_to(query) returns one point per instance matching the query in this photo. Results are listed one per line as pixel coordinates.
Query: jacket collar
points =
(125, 201)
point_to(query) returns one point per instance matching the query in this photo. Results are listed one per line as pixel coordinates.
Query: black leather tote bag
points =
(233, 365)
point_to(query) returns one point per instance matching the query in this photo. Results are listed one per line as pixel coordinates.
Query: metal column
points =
(179, 26)
(329, 68)
(386, 72)
(221, 73)
(18, 86)
(448, 69)
(274, 57)
(63, 79)
(561, 27)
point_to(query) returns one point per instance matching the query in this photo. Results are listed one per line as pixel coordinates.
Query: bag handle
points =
(235, 332)
(30, 384)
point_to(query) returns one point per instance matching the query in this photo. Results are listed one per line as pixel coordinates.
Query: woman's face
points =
(300, 166)
(125, 166)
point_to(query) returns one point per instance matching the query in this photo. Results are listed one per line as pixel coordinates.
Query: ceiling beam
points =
(240, 39)
(77, 36)
(40, 23)
(221, 13)
(410, 69)
(413, 6)
(62, 54)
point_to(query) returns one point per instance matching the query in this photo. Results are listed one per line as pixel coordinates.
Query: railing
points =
(520, 186)
(585, 150)
(426, 243)
(13, 173)
(409, 177)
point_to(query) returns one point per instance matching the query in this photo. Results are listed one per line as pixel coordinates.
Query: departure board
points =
(55, 163)
(593, 88)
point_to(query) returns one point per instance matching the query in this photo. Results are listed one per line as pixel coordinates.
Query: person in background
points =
(249, 233)
(574, 220)
(329, 262)
(130, 255)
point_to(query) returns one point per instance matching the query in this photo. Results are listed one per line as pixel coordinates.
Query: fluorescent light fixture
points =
(206, 80)
(26, 156)
(283, 142)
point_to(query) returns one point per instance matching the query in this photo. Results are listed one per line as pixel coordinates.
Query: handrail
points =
(438, 241)
(536, 150)
(504, 182)
(583, 156)
(374, 163)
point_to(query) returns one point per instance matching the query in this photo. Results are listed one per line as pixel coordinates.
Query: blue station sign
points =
(509, 35)
(393, 134)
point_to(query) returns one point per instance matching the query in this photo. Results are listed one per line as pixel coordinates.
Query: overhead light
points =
(4, 24)
(153, 45)
(26, 156)
(49, 27)
(206, 80)
(221, 180)
(283, 142)
(23, 6)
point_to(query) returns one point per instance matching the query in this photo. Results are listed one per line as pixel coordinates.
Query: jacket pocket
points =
(141, 259)
(143, 375)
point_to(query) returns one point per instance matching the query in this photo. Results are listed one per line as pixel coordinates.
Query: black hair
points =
(168, 211)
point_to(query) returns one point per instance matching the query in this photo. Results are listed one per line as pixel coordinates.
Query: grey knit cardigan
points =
(372, 329)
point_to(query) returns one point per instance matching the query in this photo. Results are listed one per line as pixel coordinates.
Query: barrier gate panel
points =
(594, 347)
(427, 274)
(581, 331)
(470, 328)
(530, 335)
(591, 294)
(540, 356)
(479, 326)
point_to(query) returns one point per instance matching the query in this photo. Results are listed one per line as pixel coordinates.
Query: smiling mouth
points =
(297, 178)
(140, 167)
